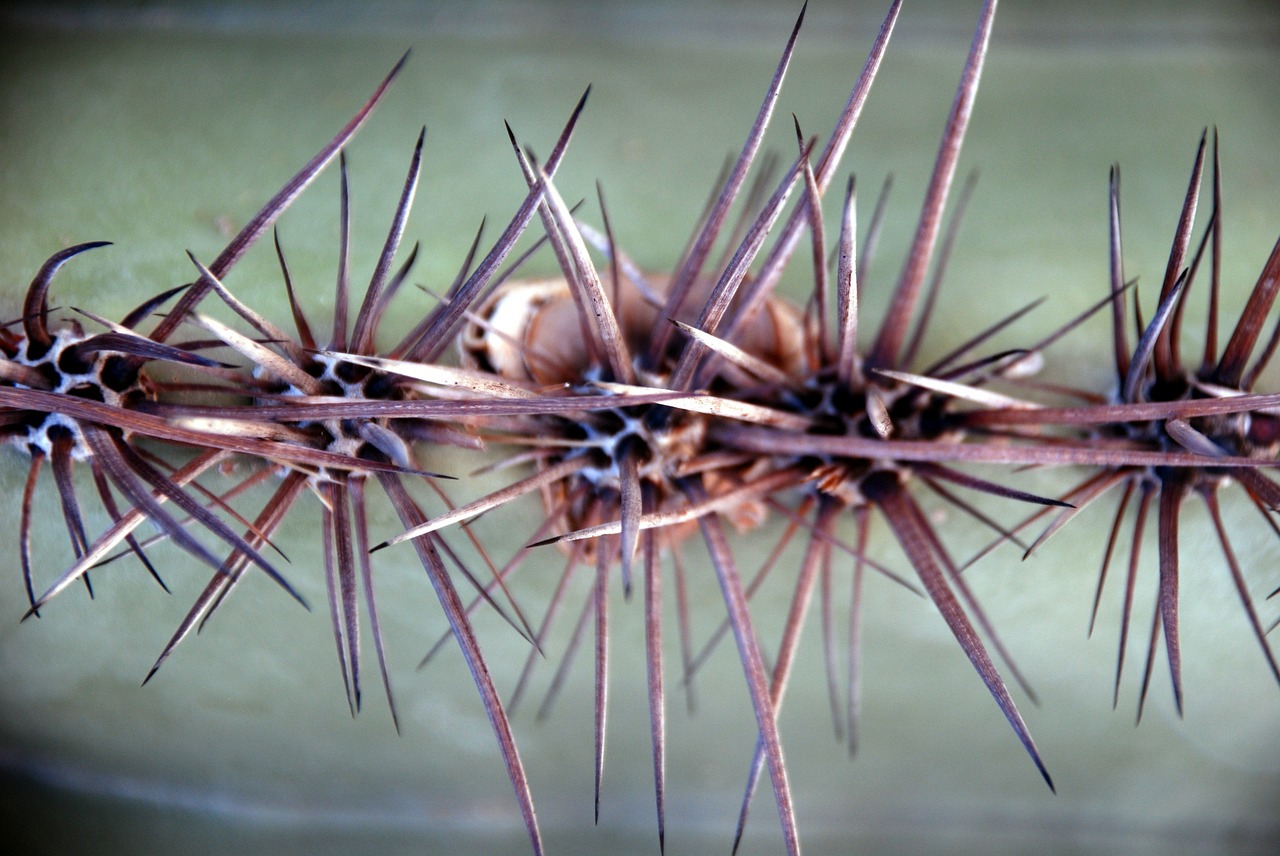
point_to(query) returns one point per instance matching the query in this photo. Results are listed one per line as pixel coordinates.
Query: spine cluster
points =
(647, 411)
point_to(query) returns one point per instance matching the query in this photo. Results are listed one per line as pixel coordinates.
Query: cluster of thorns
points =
(648, 411)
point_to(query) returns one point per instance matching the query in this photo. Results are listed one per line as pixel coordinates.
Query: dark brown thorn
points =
(1149, 341)
(575, 559)
(549, 522)
(1245, 336)
(969, 600)
(1171, 498)
(1260, 486)
(1175, 324)
(1215, 278)
(653, 673)
(124, 472)
(1126, 614)
(1268, 351)
(625, 264)
(520, 623)
(752, 663)
(1119, 331)
(116, 532)
(708, 205)
(1165, 365)
(345, 636)
(944, 362)
(1073, 494)
(776, 261)
(134, 318)
(632, 509)
(113, 511)
(13, 418)
(875, 228)
(355, 487)
(973, 374)
(35, 306)
(226, 577)
(299, 317)
(1083, 494)
(1042, 344)
(756, 368)
(1138, 324)
(231, 383)
(830, 657)
(817, 233)
(339, 499)
(522, 626)
(127, 463)
(1120, 336)
(587, 282)
(863, 518)
(157, 427)
(1047, 453)
(848, 279)
(600, 592)
(220, 500)
(888, 345)
(939, 269)
(273, 333)
(410, 516)
(686, 634)
(1265, 510)
(467, 261)
(1006, 535)
(152, 424)
(554, 473)
(615, 281)
(370, 309)
(556, 238)
(20, 373)
(412, 338)
(566, 662)
(24, 527)
(913, 534)
(212, 593)
(342, 289)
(726, 288)
(816, 559)
(979, 484)
(691, 265)
(233, 567)
(138, 346)
(1101, 414)
(757, 580)
(1112, 538)
(880, 568)
(1152, 645)
(1210, 498)
(266, 217)
(435, 338)
(60, 456)
(757, 193)
(393, 286)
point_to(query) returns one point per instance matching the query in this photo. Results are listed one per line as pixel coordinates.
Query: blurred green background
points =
(163, 127)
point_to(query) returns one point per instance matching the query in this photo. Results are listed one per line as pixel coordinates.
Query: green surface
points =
(162, 128)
